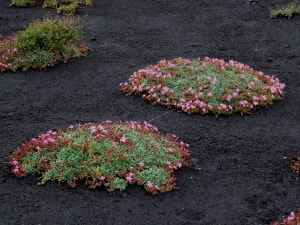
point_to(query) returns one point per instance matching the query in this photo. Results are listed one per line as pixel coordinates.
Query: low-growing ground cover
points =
(44, 43)
(205, 86)
(109, 154)
(241, 173)
(67, 7)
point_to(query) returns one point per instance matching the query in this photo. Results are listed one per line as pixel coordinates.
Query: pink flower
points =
(165, 89)
(15, 163)
(129, 179)
(214, 81)
(123, 139)
(141, 164)
(16, 170)
(114, 144)
(170, 150)
(228, 98)
(102, 178)
(149, 184)
(242, 76)
(131, 174)
(38, 148)
(273, 89)
(223, 106)
(71, 127)
(93, 129)
(263, 97)
(291, 217)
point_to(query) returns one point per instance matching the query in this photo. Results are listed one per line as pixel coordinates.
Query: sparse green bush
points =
(23, 3)
(68, 9)
(42, 44)
(110, 154)
(287, 11)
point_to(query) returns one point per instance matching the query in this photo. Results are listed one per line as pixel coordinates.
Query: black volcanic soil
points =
(241, 175)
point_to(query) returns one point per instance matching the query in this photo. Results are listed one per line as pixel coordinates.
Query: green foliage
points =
(50, 4)
(108, 154)
(287, 11)
(117, 184)
(42, 44)
(23, 3)
(48, 35)
(67, 7)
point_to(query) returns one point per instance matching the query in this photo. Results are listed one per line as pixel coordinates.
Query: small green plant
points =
(287, 11)
(108, 154)
(50, 4)
(67, 7)
(205, 86)
(42, 44)
(292, 219)
(23, 3)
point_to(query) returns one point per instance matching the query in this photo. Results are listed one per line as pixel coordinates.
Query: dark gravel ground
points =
(241, 176)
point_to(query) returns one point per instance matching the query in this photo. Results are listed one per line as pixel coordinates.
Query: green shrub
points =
(48, 35)
(50, 4)
(67, 7)
(42, 44)
(287, 11)
(23, 3)
(110, 154)
(205, 86)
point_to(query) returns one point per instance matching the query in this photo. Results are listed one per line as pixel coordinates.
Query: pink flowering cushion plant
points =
(110, 154)
(205, 86)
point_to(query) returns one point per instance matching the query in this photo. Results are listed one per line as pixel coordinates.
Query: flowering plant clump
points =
(42, 44)
(296, 165)
(292, 219)
(67, 7)
(109, 154)
(205, 86)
